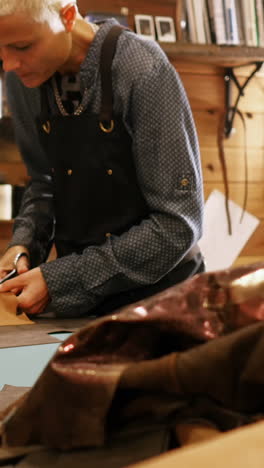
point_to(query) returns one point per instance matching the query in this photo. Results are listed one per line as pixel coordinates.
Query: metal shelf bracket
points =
(231, 111)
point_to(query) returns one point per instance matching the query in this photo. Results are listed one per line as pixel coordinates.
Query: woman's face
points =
(33, 50)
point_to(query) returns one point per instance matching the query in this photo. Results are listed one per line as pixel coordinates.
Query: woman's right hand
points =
(8, 258)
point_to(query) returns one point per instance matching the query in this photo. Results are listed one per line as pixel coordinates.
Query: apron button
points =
(69, 172)
(109, 172)
(108, 234)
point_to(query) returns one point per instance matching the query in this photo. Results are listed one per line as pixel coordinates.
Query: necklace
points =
(62, 110)
(84, 100)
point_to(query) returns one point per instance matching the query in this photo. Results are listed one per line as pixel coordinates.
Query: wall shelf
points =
(222, 56)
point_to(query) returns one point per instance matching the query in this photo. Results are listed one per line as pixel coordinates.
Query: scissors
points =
(13, 272)
(9, 275)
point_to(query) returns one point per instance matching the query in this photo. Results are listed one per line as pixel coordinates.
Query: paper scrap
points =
(8, 311)
(220, 249)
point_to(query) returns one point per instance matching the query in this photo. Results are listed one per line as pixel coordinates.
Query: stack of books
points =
(224, 22)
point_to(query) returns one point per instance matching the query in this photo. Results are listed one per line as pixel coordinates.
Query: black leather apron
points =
(96, 192)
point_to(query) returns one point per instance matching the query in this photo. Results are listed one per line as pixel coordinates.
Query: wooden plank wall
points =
(206, 91)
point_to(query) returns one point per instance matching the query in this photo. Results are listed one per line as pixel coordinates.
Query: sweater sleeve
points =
(34, 225)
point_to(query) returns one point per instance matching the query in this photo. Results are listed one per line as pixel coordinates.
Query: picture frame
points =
(145, 27)
(165, 29)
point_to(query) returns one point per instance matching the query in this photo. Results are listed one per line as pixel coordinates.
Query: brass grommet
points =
(107, 129)
(46, 127)
(184, 182)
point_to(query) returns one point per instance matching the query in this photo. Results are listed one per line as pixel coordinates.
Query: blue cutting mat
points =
(22, 366)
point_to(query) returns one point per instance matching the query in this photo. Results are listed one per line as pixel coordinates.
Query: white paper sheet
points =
(218, 247)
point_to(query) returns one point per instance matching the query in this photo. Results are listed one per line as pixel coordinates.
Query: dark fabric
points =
(123, 449)
(182, 271)
(88, 202)
(163, 360)
(101, 195)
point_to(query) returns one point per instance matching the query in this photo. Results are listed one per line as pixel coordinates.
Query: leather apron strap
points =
(107, 56)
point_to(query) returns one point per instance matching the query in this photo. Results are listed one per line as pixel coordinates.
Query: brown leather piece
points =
(8, 311)
(119, 452)
(199, 357)
(12, 454)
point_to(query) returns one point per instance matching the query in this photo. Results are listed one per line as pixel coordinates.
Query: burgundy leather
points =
(151, 361)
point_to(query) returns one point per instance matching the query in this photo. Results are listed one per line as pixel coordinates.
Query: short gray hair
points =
(39, 10)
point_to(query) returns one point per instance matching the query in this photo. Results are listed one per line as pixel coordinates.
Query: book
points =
(217, 14)
(231, 22)
(249, 21)
(183, 24)
(210, 21)
(207, 28)
(191, 21)
(198, 8)
(259, 8)
(240, 23)
(253, 20)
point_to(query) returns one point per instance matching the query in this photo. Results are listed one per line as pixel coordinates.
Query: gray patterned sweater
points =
(150, 97)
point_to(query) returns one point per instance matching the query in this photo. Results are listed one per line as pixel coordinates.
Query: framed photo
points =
(145, 26)
(165, 29)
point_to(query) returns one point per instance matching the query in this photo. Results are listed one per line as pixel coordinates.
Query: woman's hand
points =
(31, 290)
(7, 260)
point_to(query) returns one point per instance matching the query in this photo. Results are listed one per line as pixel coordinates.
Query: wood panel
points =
(13, 173)
(6, 228)
(207, 123)
(206, 93)
(6, 233)
(196, 68)
(148, 7)
(236, 191)
(212, 170)
(248, 260)
(255, 245)
(254, 95)
(8, 151)
(103, 6)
